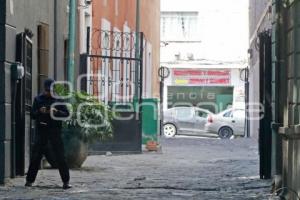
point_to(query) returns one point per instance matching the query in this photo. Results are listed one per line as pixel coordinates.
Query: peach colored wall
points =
(126, 12)
(150, 25)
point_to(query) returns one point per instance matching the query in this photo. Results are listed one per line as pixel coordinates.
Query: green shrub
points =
(86, 122)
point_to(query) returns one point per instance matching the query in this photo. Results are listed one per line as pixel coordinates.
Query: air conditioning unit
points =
(177, 56)
(190, 56)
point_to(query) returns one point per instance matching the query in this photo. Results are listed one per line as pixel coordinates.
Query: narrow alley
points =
(187, 168)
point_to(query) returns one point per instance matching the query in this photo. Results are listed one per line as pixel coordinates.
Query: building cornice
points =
(261, 20)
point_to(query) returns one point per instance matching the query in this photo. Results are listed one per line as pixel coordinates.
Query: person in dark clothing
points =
(48, 130)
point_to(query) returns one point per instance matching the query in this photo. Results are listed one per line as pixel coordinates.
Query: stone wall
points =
(259, 20)
(15, 17)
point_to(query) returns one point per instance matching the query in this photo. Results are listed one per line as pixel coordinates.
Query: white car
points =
(228, 123)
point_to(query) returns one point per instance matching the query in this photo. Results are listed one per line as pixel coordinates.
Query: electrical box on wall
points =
(17, 71)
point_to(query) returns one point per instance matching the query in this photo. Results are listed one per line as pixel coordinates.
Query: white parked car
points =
(228, 123)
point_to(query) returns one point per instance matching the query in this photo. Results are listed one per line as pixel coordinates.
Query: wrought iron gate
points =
(114, 73)
(265, 131)
(22, 138)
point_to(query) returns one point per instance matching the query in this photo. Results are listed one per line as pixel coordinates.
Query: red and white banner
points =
(202, 77)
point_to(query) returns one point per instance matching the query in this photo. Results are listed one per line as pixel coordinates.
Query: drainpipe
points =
(247, 120)
(55, 38)
(71, 43)
(137, 49)
(280, 150)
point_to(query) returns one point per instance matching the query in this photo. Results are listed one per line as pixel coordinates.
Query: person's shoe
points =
(28, 184)
(66, 186)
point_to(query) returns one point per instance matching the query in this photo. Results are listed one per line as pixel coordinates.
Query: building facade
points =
(285, 91)
(34, 33)
(260, 15)
(198, 46)
(84, 25)
(216, 88)
(113, 34)
(274, 58)
(260, 27)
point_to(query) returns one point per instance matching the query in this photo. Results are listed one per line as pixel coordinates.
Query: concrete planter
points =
(76, 150)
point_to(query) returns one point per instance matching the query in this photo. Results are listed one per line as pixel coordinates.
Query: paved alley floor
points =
(187, 168)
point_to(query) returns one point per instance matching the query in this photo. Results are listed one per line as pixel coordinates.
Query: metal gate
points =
(114, 73)
(22, 131)
(265, 131)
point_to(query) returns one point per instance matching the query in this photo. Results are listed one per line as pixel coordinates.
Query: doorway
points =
(22, 137)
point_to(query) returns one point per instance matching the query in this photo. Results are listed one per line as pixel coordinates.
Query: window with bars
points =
(179, 26)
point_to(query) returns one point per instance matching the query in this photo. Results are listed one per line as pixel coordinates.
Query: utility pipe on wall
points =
(71, 43)
(55, 12)
(137, 48)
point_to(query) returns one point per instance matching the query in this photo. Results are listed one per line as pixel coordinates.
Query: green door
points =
(224, 101)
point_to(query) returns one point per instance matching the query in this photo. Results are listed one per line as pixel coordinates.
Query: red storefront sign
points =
(202, 76)
(198, 72)
(209, 81)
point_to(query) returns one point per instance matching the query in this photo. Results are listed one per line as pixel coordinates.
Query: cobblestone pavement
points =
(187, 168)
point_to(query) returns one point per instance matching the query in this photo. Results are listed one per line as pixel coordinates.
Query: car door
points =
(185, 120)
(169, 116)
(227, 118)
(239, 122)
(200, 120)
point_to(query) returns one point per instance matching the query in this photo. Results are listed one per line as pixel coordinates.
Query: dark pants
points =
(44, 136)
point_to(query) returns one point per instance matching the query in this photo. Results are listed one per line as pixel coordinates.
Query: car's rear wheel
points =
(225, 133)
(170, 130)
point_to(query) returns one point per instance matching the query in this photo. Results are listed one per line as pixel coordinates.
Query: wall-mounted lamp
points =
(29, 33)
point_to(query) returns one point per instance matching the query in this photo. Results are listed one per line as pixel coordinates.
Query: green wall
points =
(213, 98)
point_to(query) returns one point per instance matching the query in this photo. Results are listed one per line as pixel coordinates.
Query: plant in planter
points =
(90, 121)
